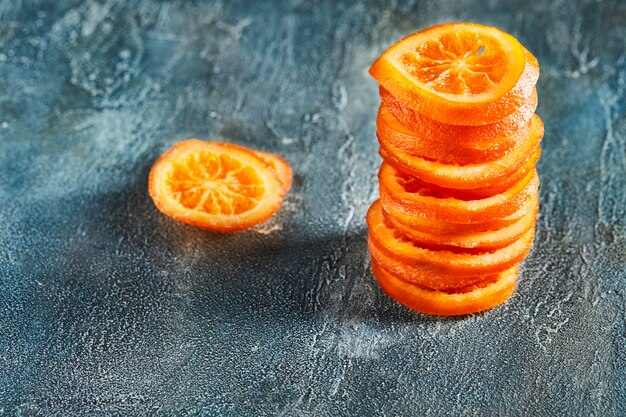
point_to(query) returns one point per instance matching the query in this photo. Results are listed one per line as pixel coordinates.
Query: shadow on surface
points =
(118, 252)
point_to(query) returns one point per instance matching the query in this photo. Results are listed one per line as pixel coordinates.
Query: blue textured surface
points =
(108, 307)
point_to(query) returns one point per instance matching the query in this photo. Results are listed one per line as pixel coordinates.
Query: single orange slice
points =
(489, 134)
(424, 277)
(499, 187)
(485, 239)
(215, 186)
(280, 166)
(419, 135)
(412, 258)
(393, 134)
(468, 176)
(472, 299)
(413, 197)
(459, 73)
(453, 231)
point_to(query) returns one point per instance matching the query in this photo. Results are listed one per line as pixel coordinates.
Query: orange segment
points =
(280, 166)
(472, 175)
(215, 186)
(459, 73)
(472, 299)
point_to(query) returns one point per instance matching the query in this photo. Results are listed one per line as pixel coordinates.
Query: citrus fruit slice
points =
(475, 193)
(484, 190)
(413, 197)
(214, 186)
(472, 299)
(459, 73)
(447, 143)
(467, 176)
(414, 259)
(487, 239)
(485, 135)
(447, 230)
(424, 277)
(280, 166)
(392, 134)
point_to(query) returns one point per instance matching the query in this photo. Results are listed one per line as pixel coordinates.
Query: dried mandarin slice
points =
(413, 258)
(459, 73)
(425, 277)
(448, 230)
(481, 137)
(499, 187)
(472, 299)
(469, 176)
(485, 239)
(414, 198)
(215, 186)
(463, 145)
(392, 134)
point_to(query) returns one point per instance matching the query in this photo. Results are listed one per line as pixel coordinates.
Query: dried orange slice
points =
(459, 73)
(446, 143)
(413, 258)
(499, 187)
(281, 168)
(392, 134)
(472, 299)
(484, 239)
(485, 135)
(424, 277)
(448, 230)
(414, 198)
(472, 175)
(215, 186)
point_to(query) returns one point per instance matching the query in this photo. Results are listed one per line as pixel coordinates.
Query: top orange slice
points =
(215, 186)
(459, 73)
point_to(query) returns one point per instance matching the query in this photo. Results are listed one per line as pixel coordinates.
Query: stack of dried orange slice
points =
(458, 186)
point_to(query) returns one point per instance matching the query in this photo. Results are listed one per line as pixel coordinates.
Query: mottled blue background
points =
(108, 307)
